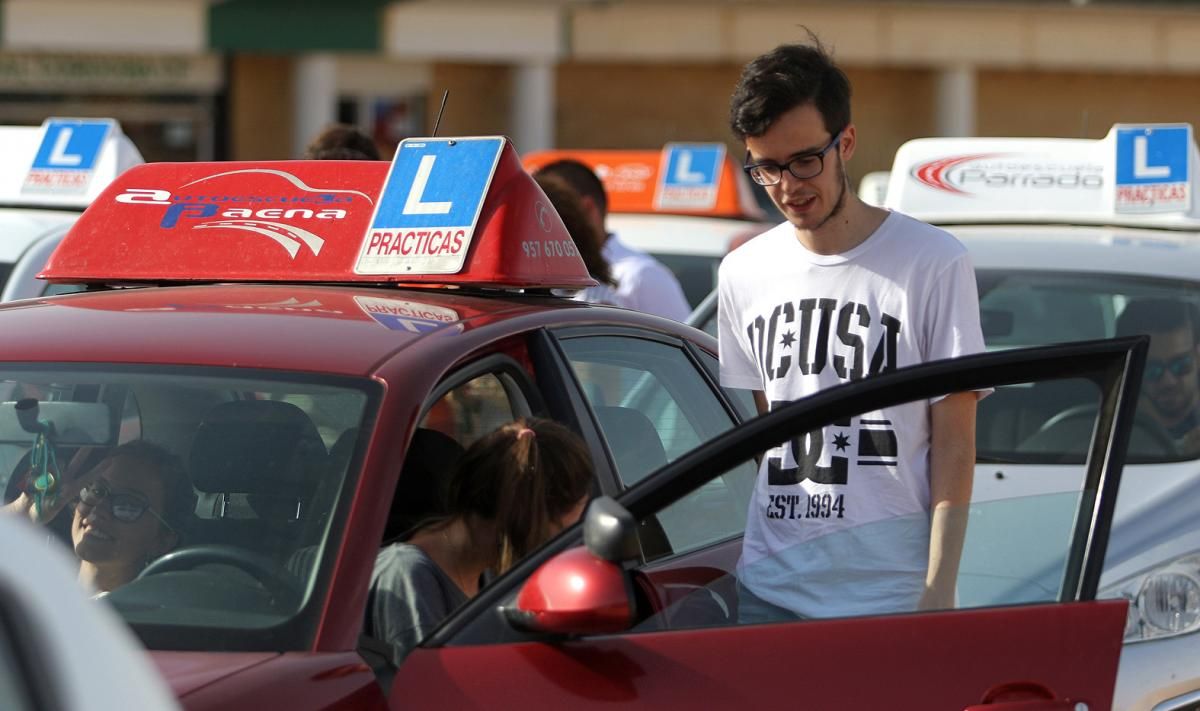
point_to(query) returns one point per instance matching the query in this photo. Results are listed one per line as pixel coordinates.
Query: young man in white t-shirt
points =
(868, 515)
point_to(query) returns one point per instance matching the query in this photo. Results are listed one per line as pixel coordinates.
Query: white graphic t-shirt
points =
(839, 521)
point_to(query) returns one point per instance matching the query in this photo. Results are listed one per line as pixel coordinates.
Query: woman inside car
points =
(511, 491)
(126, 511)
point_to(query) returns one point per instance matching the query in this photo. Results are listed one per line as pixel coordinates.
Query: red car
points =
(288, 329)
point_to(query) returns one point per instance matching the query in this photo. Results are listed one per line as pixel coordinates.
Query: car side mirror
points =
(583, 590)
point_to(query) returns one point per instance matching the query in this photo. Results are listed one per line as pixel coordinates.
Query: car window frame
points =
(519, 388)
(1120, 360)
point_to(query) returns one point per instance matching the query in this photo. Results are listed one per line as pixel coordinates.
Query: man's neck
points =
(843, 232)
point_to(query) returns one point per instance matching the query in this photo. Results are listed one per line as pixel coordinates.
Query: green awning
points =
(296, 25)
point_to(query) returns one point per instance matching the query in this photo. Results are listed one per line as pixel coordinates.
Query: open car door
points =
(588, 621)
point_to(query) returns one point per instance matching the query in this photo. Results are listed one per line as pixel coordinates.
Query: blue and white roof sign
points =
(426, 215)
(689, 176)
(1153, 168)
(67, 156)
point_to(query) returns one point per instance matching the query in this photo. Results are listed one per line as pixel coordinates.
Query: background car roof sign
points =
(1137, 175)
(298, 221)
(62, 163)
(633, 180)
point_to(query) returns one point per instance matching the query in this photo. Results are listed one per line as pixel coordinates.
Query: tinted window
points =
(1037, 308)
(653, 405)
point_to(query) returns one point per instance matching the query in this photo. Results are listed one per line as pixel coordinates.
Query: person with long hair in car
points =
(510, 492)
(587, 238)
(127, 510)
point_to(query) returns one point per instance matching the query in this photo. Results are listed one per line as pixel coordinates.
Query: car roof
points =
(1100, 250)
(328, 329)
(680, 234)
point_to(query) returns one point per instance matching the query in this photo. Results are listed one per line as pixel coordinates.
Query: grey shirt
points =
(409, 596)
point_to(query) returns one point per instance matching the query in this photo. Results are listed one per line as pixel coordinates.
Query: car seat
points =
(420, 492)
(267, 453)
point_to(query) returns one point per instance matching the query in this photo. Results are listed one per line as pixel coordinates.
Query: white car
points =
(58, 648)
(48, 175)
(687, 205)
(1064, 234)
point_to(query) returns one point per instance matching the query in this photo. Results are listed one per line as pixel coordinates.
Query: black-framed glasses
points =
(1178, 366)
(124, 507)
(802, 167)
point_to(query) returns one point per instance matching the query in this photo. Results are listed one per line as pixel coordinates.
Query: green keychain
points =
(45, 481)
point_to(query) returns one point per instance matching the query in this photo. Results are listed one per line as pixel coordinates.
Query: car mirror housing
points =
(609, 531)
(574, 593)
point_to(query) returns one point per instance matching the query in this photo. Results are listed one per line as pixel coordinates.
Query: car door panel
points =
(964, 656)
(1046, 653)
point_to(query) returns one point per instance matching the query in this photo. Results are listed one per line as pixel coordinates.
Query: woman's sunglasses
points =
(126, 508)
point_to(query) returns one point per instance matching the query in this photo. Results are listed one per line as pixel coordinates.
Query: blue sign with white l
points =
(1153, 168)
(67, 155)
(426, 214)
(72, 144)
(689, 175)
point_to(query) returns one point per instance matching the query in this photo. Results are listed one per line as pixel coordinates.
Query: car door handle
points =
(1032, 705)
(1025, 696)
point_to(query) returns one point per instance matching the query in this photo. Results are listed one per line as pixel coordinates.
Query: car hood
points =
(188, 671)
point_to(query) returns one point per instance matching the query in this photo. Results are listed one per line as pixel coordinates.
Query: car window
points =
(1020, 309)
(471, 410)
(1015, 550)
(653, 404)
(224, 499)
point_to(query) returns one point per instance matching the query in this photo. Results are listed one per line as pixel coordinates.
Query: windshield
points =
(1039, 425)
(200, 502)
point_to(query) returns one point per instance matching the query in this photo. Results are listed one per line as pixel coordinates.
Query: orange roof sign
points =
(682, 178)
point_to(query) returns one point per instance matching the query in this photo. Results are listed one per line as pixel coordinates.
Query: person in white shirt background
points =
(642, 282)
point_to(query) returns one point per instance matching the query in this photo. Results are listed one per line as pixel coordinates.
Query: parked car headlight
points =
(1163, 601)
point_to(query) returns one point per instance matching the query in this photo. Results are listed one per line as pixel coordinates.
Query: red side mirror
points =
(574, 593)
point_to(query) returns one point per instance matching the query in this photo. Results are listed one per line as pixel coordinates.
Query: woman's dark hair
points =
(524, 476)
(788, 76)
(179, 498)
(580, 178)
(587, 238)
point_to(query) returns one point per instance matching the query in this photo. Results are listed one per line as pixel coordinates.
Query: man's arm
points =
(951, 475)
(760, 401)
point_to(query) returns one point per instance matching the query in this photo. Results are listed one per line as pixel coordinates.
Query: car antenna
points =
(441, 109)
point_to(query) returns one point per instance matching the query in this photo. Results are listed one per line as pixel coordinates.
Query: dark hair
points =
(788, 76)
(342, 142)
(588, 240)
(524, 476)
(1158, 316)
(179, 499)
(580, 178)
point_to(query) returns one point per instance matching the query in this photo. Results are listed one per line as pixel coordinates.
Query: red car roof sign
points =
(319, 221)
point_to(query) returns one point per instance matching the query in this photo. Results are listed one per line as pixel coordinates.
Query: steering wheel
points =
(270, 574)
(1142, 423)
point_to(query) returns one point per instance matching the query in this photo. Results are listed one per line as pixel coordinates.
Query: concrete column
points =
(955, 100)
(532, 119)
(314, 98)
